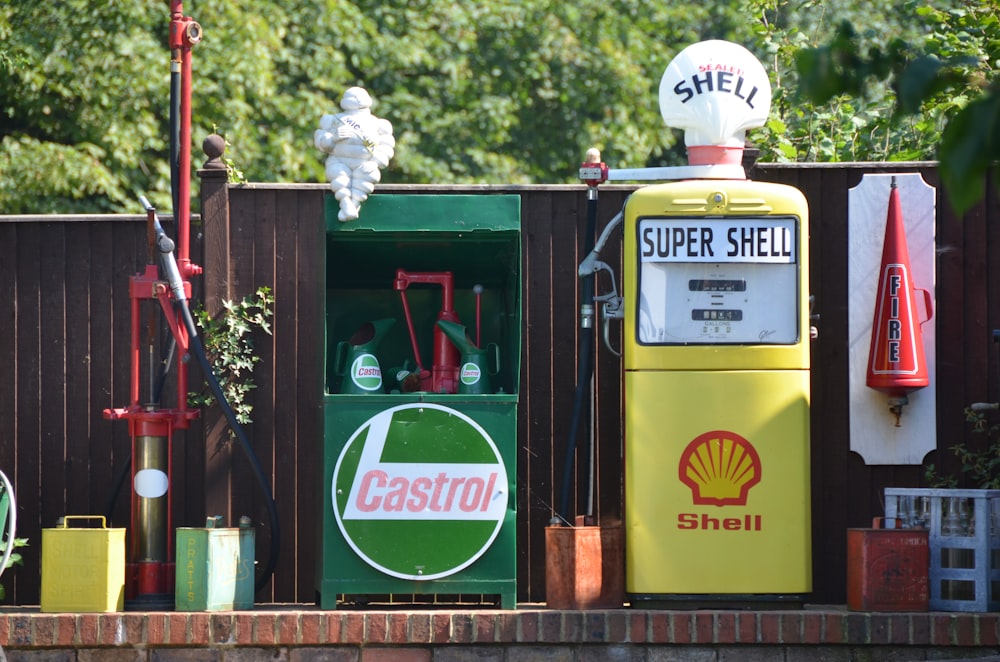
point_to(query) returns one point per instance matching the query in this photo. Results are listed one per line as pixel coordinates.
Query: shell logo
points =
(720, 467)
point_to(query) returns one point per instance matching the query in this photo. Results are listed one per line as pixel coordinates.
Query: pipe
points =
(589, 263)
(585, 365)
(184, 33)
(175, 138)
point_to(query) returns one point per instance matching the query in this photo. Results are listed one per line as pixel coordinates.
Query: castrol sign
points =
(420, 491)
(366, 373)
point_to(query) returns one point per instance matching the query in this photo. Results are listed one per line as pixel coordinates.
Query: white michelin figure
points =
(359, 145)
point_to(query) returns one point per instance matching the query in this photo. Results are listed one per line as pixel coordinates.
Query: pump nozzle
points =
(590, 263)
(165, 245)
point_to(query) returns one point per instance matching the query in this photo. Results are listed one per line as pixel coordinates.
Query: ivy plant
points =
(228, 342)
(980, 466)
(15, 558)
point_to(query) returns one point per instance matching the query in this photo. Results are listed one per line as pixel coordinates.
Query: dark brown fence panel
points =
(846, 492)
(66, 319)
(277, 239)
(65, 332)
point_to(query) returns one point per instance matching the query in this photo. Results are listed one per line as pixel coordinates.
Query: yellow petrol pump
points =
(716, 361)
(716, 357)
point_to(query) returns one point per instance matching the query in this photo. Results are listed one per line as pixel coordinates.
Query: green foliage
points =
(79, 103)
(947, 77)
(826, 104)
(980, 466)
(482, 91)
(228, 341)
(14, 559)
(498, 91)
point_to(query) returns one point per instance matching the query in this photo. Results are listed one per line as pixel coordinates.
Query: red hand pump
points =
(150, 566)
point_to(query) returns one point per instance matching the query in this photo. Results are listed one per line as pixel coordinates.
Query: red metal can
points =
(887, 569)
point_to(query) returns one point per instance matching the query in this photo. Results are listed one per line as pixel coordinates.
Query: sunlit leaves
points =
(968, 146)
(948, 79)
(482, 91)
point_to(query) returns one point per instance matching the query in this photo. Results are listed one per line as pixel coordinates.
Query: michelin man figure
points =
(359, 146)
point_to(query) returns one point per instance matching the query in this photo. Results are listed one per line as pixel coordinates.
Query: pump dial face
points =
(718, 281)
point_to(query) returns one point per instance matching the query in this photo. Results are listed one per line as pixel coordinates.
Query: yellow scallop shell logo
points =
(720, 467)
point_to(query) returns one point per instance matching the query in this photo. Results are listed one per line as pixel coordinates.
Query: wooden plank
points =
(8, 347)
(106, 463)
(311, 328)
(564, 301)
(608, 375)
(952, 301)
(52, 361)
(218, 450)
(976, 343)
(288, 355)
(830, 441)
(536, 490)
(79, 412)
(992, 293)
(26, 471)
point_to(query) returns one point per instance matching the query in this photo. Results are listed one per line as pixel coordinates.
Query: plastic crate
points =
(963, 541)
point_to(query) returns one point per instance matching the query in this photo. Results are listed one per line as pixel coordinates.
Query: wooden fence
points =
(64, 328)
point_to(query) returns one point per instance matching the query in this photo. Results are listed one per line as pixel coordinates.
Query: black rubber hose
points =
(237, 429)
(585, 363)
(116, 487)
(175, 138)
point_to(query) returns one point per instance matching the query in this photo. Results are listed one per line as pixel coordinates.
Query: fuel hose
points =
(585, 369)
(237, 429)
(168, 264)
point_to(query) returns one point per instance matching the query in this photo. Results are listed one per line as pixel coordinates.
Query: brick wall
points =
(488, 635)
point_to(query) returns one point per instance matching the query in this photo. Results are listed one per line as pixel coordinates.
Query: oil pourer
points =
(443, 376)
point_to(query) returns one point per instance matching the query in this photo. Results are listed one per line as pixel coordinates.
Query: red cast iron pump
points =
(443, 377)
(150, 565)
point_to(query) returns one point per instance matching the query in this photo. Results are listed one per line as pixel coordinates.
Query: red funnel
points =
(896, 363)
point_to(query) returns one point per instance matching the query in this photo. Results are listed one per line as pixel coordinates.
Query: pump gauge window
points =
(718, 281)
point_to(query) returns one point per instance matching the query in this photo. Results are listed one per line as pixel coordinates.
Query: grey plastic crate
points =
(964, 572)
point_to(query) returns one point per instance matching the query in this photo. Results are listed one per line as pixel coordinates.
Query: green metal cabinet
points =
(419, 487)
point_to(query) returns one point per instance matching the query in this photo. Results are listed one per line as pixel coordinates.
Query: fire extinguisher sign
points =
(420, 491)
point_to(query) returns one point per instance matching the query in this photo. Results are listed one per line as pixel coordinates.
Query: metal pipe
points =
(150, 525)
(184, 33)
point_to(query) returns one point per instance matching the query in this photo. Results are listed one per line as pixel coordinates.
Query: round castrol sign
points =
(420, 491)
(366, 373)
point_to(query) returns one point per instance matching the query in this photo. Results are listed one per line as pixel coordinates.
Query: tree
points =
(502, 91)
(497, 91)
(945, 86)
(77, 102)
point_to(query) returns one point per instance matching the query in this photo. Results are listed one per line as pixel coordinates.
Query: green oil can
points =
(215, 567)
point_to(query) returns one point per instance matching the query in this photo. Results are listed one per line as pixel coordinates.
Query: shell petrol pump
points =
(715, 352)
